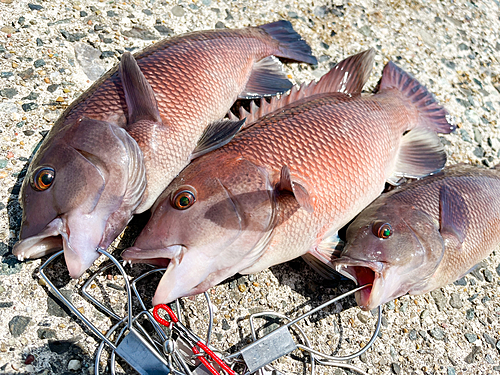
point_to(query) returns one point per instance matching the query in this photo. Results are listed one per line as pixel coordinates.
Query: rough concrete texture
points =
(50, 51)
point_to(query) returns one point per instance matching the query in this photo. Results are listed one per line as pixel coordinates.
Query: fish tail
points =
(431, 115)
(291, 44)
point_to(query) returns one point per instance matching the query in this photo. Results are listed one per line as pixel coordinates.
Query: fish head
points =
(394, 247)
(78, 191)
(206, 226)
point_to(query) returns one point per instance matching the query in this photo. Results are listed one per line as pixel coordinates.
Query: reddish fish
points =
(423, 235)
(140, 124)
(285, 185)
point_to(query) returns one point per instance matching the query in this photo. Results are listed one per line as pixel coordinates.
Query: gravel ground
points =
(51, 51)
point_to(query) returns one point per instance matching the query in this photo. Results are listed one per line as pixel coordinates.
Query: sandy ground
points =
(450, 46)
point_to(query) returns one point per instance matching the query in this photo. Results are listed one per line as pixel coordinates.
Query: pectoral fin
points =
(453, 216)
(139, 95)
(294, 185)
(216, 135)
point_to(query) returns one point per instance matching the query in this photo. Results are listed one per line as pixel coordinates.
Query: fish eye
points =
(381, 229)
(43, 178)
(184, 198)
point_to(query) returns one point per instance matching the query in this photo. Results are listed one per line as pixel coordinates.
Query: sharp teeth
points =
(124, 263)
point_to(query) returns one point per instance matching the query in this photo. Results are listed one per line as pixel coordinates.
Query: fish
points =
(422, 235)
(305, 166)
(116, 148)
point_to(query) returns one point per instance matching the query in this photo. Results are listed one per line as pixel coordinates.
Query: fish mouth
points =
(80, 247)
(362, 273)
(48, 241)
(156, 257)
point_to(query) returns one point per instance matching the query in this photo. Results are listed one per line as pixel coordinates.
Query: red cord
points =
(214, 356)
(205, 361)
(170, 313)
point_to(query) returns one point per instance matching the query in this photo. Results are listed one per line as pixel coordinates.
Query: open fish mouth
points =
(362, 273)
(156, 257)
(48, 241)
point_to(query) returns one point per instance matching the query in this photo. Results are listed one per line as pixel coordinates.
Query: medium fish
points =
(144, 123)
(286, 184)
(423, 235)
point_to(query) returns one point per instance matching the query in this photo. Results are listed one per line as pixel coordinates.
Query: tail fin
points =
(292, 46)
(432, 115)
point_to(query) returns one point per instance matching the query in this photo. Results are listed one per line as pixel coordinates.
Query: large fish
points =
(286, 184)
(423, 235)
(144, 123)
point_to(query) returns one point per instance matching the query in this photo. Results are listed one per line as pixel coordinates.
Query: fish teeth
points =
(20, 257)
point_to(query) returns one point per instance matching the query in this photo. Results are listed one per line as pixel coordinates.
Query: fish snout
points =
(158, 257)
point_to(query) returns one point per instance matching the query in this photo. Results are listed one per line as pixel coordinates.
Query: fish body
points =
(288, 182)
(436, 230)
(119, 145)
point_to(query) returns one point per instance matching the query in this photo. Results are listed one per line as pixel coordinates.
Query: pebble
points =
(163, 30)
(489, 340)
(478, 137)
(363, 318)
(18, 324)
(35, 6)
(471, 357)
(437, 333)
(220, 25)
(488, 359)
(54, 305)
(178, 11)
(29, 107)
(469, 314)
(366, 31)
(88, 58)
(471, 337)
(456, 301)
(450, 371)
(472, 116)
(396, 368)
(439, 298)
(225, 325)
(39, 63)
(29, 359)
(147, 12)
(59, 347)
(488, 275)
(412, 335)
(8, 93)
(74, 365)
(46, 333)
(52, 88)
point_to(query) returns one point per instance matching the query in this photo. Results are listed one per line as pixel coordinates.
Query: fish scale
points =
(315, 163)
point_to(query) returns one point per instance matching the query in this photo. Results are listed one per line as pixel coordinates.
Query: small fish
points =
(307, 164)
(423, 235)
(120, 144)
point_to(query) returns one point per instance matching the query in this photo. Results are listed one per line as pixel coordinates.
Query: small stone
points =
(293, 15)
(424, 314)
(472, 116)
(471, 357)
(74, 365)
(178, 11)
(439, 298)
(479, 152)
(488, 275)
(3, 163)
(3, 347)
(488, 359)
(147, 12)
(469, 314)
(390, 305)
(52, 88)
(220, 25)
(242, 288)
(35, 6)
(412, 335)
(163, 30)
(465, 135)
(5, 305)
(471, 337)
(111, 13)
(320, 11)
(476, 272)
(29, 107)
(39, 63)
(206, 2)
(489, 340)
(456, 301)
(29, 359)
(496, 368)
(478, 137)
(450, 371)
(8, 93)
(362, 318)
(83, 13)
(106, 54)
(437, 333)
(193, 6)
(366, 31)
(396, 368)
(46, 333)
(27, 74)
(88, 58)
(54, 306)
(18, 324)
(225, 325)
(6, 74)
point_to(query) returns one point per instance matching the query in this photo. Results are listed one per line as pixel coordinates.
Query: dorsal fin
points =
(348, 76)
(139, 94)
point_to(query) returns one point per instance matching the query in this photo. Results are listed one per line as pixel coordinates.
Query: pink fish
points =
(284, 186)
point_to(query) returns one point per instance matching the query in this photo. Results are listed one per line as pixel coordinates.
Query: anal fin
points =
(420, 154)
(266, 79)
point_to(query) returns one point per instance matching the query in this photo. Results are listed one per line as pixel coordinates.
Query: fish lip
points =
(356, 270)
(158, 257)
(43, 243)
